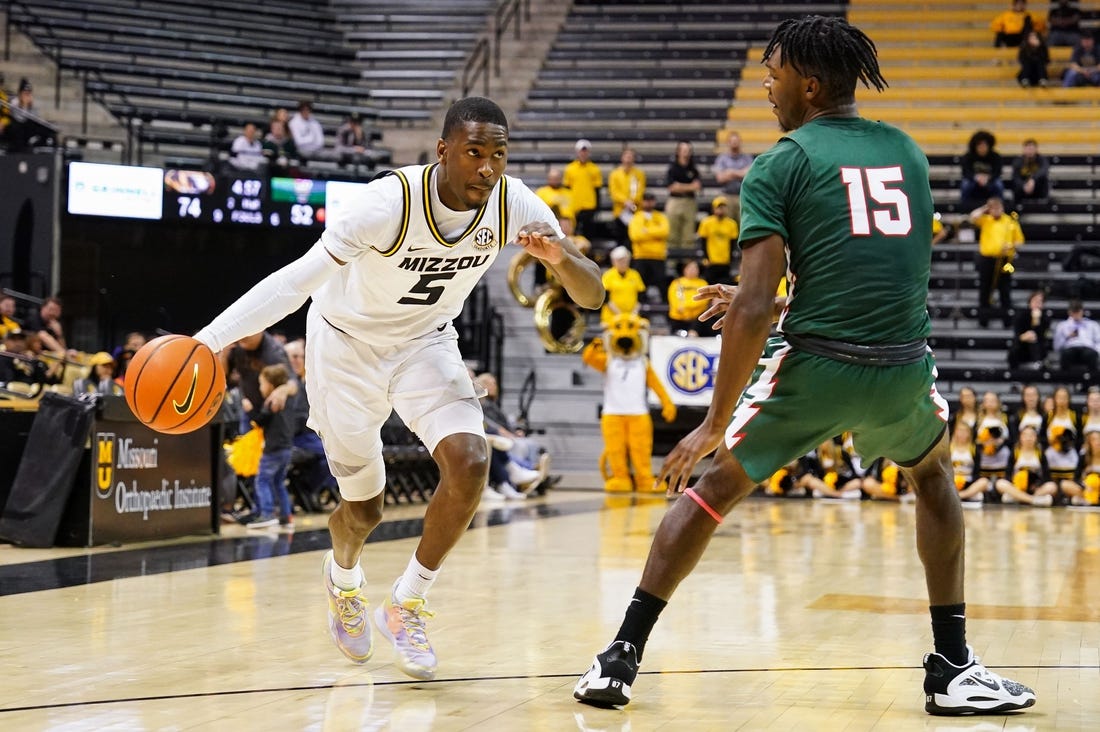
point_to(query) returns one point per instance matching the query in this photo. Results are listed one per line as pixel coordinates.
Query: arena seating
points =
(187, 72)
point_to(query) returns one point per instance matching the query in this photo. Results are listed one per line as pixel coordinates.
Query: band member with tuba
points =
(1000, 236)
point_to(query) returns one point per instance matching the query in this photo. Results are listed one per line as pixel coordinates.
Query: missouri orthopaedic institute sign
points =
(146, 485)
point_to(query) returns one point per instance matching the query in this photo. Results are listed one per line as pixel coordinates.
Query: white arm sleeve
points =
(272, 299)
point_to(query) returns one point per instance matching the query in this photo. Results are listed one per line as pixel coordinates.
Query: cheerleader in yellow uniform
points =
(971, 486)
(1084, 490)
(1031, 482)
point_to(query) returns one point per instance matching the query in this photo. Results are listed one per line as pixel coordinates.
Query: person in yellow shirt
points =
(626, 186)
(584, 180)
(939, 231)
(1000, 236)
(683, 309)
(1012, 25)
(648, 232)
(556, 195)
(8, 323)
(718, 232)
(623, 286)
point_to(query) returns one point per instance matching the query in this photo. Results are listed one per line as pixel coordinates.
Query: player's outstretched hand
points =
(541, 241)
(680, 463)
(720, 297)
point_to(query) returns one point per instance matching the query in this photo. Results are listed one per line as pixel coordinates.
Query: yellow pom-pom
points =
(1021, 479)
(960, 482)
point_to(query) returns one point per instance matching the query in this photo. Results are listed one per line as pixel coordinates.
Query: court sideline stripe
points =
(85, 569)
(470, 679)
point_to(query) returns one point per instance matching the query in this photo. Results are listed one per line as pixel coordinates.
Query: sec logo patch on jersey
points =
(484, 238)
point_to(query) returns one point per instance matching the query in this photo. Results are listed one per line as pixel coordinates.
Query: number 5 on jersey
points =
(892, 218)
(431, 293)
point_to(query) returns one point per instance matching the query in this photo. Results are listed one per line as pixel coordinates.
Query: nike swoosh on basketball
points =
(186, 405)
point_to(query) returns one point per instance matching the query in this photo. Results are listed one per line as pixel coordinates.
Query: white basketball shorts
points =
(353, 387)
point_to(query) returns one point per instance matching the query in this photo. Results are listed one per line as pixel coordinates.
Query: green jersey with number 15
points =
(851, 199)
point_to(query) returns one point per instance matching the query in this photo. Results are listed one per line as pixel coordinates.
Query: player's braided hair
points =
(473, 109)
(837, 53)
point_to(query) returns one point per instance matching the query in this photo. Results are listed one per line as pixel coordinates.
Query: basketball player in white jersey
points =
(386, 281)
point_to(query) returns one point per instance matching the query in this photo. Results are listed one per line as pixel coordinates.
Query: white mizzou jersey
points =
(411, 261)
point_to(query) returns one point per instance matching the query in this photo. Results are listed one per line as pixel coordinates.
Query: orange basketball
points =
(174, 384)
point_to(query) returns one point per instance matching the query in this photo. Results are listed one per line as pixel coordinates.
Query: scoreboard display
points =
(200, 197)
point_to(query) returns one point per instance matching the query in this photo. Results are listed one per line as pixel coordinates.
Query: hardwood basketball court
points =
(803, 615)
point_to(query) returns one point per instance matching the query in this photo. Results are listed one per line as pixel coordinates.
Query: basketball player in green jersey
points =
(842, 206)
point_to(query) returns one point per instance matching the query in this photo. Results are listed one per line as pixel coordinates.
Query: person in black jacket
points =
(981, 171)
(1030, 334)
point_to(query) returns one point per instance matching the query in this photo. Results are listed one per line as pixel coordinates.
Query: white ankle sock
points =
(346, 579)
(416, 581)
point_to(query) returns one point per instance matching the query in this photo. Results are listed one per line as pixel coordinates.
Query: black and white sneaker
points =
(970, 689)
(607, 683)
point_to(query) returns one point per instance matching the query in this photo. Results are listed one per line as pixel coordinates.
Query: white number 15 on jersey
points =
(893, 218)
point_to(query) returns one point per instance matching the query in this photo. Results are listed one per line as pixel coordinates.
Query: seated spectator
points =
(1033, 57)
(981, 170)
(623, 285)
(309, 137)
(23, 132)
(1084, 64)
(278, 147)
(124, 353)
(1012, 25)
(649, 240)
(1064, 20)
(352, 141)
(46, 324)
(1030, 174)
(248, 153)
(683, 309)
(100, 378)
(1030, 334)
(1077, 340)
(528, 466)
(19, 363)
(8, 323)
(718, 233)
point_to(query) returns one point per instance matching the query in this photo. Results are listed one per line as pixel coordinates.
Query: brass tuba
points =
(516, 268)
(560, 323)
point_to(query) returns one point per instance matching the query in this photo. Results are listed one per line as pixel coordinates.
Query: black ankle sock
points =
(641, 616)
(949, 631)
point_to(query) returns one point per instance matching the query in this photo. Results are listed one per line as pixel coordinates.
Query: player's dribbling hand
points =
(541, 241)
(720, 297)
(680, 463)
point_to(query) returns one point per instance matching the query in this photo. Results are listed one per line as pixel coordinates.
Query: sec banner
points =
(686, 368)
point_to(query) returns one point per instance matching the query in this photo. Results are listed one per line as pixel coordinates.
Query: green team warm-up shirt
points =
(852, 200)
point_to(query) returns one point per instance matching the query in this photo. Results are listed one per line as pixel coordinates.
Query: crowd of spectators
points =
(1032, 34)
(291, 141)
(656, 225)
